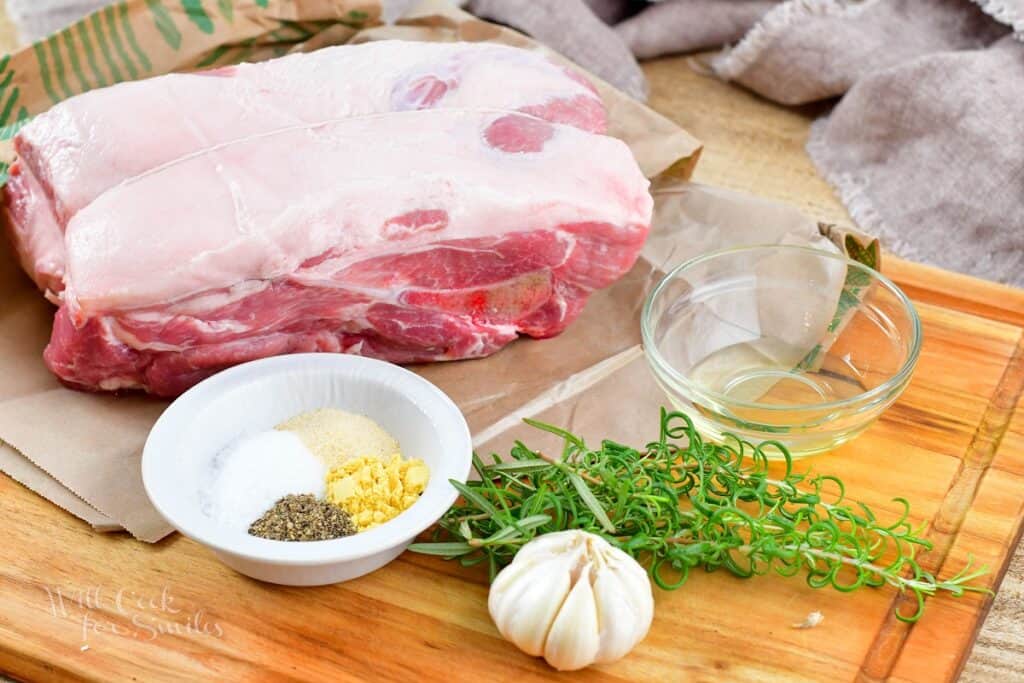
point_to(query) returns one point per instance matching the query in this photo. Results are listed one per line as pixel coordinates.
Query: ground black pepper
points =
(303, 518)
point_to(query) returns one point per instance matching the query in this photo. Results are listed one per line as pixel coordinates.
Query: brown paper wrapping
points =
(82, 450)
(23, 470)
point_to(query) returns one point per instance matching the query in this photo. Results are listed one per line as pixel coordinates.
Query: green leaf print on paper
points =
(64, 56)
(9, 100)
(261, 3)
(101, 40)
(227, 8)
(44, 72)
(867, 255)
(356, 18)
(810, 359)
(291, 32)
(164, 23)
(90, 56)
(848, 300)
(215, 54)
(197, 15)
(8, 104)
(855, 288)
(234, 54)
(129, 34)
(246, 50)
(58, 66)
(12, 98)
(76, 64)
(115, 38)
(857, 278)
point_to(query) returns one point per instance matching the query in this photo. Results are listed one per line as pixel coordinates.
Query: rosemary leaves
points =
(682, 503)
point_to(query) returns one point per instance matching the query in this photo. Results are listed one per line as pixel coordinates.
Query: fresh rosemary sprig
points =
(683, 503)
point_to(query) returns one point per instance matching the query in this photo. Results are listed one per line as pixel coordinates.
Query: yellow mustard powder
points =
(336, 436)
(373, 490)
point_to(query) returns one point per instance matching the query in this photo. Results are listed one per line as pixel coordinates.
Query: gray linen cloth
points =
(925, 146)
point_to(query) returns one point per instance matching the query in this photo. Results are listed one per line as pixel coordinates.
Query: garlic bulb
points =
(573, 598)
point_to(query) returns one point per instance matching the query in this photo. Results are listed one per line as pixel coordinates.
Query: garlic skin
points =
(572, 598)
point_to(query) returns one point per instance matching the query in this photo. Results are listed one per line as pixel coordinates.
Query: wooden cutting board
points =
(79, 605)
(76, 604)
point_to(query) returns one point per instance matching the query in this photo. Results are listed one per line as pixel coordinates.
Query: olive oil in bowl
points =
(781, 343)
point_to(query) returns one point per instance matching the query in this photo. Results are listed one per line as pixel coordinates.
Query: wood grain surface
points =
(952, 445)
(78, 605)
(754, 145)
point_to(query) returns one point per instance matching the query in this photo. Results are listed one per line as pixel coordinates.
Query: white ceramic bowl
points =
(254, 397)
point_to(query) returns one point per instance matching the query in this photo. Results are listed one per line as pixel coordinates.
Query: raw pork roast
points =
(406, 201)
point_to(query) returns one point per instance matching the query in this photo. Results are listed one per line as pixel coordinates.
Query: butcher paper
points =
(81, 451)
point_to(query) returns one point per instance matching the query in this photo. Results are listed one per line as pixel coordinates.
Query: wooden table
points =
(78, 605)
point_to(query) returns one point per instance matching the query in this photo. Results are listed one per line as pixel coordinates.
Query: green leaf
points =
(532, 522)
(213, 56)
(812, 356)
(126, 25)
(90, 55)
(227, 8)
(76, 64)
(10, 130)
(197, 15)
(682, 503)
(588, 498)
(475, 498)
(857, 278)
(868, 255)
(44, 72)
(847, 302)
(8, 109)
(557, 431)
(164, 23)
(520, 466)
(115, 38)
(101, 40)
(504, 534)
(453, 549)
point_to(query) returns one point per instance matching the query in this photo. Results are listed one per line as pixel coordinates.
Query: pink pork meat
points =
(88, 144)
(408, 236)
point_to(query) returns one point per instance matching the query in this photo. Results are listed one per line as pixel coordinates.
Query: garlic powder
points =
(336, 436)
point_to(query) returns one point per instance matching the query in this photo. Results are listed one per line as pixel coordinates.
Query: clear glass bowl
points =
(783, 343)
